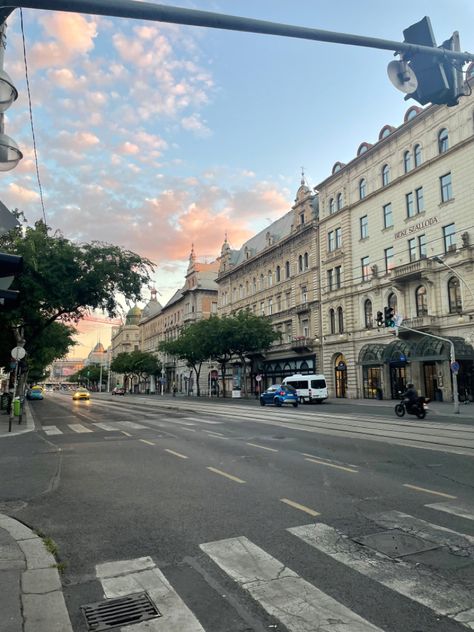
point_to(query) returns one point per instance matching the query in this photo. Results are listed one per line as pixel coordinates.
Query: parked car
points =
(35, 392)
(279, 394)
(310, 388)
(118, 390)
(81, 393)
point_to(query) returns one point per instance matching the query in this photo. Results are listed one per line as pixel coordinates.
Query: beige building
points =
(125, 339)
(276, 274)
(404, 211)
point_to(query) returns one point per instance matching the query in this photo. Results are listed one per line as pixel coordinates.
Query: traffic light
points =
(379, 319)
(439, 80)
(10, 267)
(389, 315)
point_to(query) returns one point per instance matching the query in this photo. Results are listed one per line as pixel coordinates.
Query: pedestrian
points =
(174, 389)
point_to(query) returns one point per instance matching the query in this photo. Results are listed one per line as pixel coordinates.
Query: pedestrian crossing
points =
(300, 604)
(107, 427)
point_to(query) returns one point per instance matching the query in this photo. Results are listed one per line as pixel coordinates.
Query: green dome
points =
(133, 316)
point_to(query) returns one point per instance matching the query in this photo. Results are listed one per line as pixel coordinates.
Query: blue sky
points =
(156, 136)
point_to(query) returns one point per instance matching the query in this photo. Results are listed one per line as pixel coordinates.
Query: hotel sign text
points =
(414, 228)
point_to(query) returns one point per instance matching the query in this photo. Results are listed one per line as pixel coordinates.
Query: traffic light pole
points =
(136, 9)
(452, 359)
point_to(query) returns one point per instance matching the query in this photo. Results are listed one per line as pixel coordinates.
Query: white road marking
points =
(299, 605)
(132, 576)
(147, 442)
(419, 584)
(262, 447)
(457, 509)
(104, 426)
(131, 424)
(203, 421)
(181, 456)
(337, 467)
(79, 428)
(428, 491)
(52, 430)
(221, 473)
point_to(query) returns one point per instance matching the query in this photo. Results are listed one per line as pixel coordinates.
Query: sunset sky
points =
(155, 136)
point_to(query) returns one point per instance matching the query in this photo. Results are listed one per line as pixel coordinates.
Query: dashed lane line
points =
(428, 491)
(262, 447)
(295, 505)
(145, 441)
(181, 456)
(229, 476)
(337, 467)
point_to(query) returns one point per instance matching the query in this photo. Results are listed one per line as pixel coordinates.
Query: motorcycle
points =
(418, 408)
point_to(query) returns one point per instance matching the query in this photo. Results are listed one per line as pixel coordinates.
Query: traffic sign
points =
(455, 366)
(258, 378)
(18, 353)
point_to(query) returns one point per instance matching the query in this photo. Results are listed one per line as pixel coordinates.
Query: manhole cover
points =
(113, 613)
(396, 543)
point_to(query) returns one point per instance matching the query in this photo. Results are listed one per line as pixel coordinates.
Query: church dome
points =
(133, 316)
(99, 348)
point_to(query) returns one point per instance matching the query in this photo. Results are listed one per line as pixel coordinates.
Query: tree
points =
(90, 374)
(137, 363)
(62, 281)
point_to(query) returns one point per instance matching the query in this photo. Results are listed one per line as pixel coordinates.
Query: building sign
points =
(414, 228)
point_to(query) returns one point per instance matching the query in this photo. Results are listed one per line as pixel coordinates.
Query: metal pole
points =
(15, 382)
(176, 15)
(100, 378)
(438, 259)
(452, 356)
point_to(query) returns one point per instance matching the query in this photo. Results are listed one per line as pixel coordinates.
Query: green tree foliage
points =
(139, 364)
(62, 281)
(90, 375)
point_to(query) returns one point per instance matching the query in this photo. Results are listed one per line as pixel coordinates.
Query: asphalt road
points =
(243, 518)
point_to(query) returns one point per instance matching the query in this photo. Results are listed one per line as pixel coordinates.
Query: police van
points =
(310, 388)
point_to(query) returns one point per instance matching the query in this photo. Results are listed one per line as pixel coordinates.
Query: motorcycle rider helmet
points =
(410, 386)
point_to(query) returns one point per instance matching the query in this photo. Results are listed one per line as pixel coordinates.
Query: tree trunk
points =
(243, 384)
(223, 372)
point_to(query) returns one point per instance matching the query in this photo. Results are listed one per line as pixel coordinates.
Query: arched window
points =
(393, 302)
(417, 155)
(241, 291)
(332, 321)
(385, 175)
(368, 314)
(421, 301)
(300, 263)
(362, 189)
(407, 161)
(340, 201)
(332, 206)
(306, 261)
(454, 295)
(287, 269)
(278, 274)
(340, 319)
(443, 141)
(262, 282)
(246, 288)
(254, 285)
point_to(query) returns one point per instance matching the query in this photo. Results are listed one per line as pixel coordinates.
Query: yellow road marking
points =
(428, 491)
(127, 434)
(307, 510)
(262, 447)
(232, 478)
(181, 456)
(338, 467)
(145, 441)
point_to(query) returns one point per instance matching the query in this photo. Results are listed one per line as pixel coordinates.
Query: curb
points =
(42, 604)
(28, 424)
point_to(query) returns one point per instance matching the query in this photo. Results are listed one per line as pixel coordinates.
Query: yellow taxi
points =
(81, 393)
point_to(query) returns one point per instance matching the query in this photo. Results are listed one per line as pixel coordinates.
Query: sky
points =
(156, 137)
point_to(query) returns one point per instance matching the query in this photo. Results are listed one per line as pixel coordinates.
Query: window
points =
(364, 227)
(304, 294)
(305, 328)
(388, 252)
(241, 291)
(301, 219)
(270, 306)
(362, 189)
(420, 202)
(330, 279)
(262, 308)
(446, 187)
(407, 161)
(421, 301)
(368, 314)
(332, 206)
(443, 141)
(338, 237)
(387, 216)
(262, 282)
(331, 241)
(454, 296)
(254, 284)
(278, 303)
(337, 277)
(393, 302)
(278, 274)
(306, 261)
(422, 246)
(332, 321)
(385, 175)
(340, 319)
(270, 278)
(340, 201)
(409, 204)
(287, 269)
(417, 155)
(449, 236)
(365, 266)
(300, 263)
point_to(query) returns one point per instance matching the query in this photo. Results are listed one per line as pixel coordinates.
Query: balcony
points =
(301, 344)
(421, 322)
(412, 271)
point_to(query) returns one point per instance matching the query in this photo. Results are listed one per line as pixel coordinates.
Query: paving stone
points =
(10, 606)
(36, 554)
(46, 613)
(40, 581)
(16, 529)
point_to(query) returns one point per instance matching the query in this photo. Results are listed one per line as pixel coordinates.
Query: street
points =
(237, 518)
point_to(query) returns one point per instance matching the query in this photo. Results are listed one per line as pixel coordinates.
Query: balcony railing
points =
(413, 270)
(420, 322)
(302, 343)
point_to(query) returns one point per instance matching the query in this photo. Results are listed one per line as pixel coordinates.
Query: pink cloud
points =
(21, 194)
(128, 148)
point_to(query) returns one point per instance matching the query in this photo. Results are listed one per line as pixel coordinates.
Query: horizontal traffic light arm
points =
(176, 15)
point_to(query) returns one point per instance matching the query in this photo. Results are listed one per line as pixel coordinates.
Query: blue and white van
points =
(310, 388)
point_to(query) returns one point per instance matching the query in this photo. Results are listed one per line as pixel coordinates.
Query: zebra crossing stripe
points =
(419, 584)
(104, 426)
(126, 577)
(79, 428)
(457, 509)
(130, 424)
(52, 430)
(299, 605)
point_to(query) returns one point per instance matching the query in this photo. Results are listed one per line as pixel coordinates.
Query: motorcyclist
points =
(410, 397)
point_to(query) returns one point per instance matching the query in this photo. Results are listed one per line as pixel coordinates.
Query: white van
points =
(310, 388)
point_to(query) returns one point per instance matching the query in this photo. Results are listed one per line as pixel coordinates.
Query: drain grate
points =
(113, 613)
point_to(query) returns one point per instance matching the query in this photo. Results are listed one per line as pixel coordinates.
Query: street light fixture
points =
(8, 92)
(438, 259)
(10, 154)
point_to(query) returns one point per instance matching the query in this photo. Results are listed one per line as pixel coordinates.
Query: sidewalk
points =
(27, 424)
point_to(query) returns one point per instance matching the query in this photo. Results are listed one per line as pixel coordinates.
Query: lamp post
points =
(10, 155)
(438, 259)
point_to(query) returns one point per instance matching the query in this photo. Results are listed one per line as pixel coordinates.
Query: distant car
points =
(35, 392)
(81, 393)
(118, 391)
(279, 394)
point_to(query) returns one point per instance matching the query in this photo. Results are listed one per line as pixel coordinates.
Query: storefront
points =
(372, 363)
(340, 375)
(274, 371)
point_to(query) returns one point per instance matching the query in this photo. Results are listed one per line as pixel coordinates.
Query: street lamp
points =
(438, 259)
(10, 154)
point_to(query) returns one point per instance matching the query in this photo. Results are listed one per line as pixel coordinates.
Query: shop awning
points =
(371, 354)
(398, 351)
(431, 349)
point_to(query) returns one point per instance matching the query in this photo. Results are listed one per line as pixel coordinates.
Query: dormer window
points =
(301, 218)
